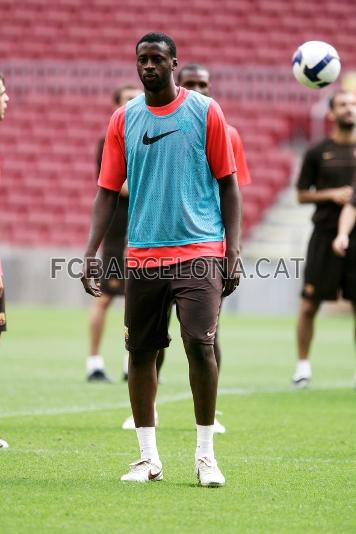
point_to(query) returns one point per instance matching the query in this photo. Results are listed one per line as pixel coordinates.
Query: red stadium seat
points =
(49, 141)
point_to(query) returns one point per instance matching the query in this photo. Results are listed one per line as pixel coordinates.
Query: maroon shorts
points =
(195, 287)
(326, 275)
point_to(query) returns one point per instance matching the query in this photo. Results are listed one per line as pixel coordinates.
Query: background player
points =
(135, 138)
(113, 250)
(325, 180)
(197, 78)
(4, 99)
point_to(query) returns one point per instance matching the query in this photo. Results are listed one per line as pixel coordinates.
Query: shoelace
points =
(206, 464)
(140, 465)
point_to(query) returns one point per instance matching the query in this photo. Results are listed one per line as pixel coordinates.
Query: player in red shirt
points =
(181, 205)
(197, 78)
(4, 99)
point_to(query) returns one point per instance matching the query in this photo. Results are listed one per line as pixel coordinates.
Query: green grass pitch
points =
(288, 456)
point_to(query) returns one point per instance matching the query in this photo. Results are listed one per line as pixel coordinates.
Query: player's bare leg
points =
(129, 423)
(143, 388)
(95, 362)
(305, 332)
(218, 427)
(203, 376)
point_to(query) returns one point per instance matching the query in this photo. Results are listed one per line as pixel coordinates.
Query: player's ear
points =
(174, 63)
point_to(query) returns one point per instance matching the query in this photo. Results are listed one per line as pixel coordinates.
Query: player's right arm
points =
(307, 192)
(111, 178)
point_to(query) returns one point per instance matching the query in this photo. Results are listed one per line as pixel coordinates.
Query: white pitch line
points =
(167, 399)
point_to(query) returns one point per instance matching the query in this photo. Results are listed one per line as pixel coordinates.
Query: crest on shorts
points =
(2, 319)
(328, 155)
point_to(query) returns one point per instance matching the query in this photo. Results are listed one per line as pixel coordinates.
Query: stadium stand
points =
(62, 59)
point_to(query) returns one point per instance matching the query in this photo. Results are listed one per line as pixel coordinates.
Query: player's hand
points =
(1, 287)
(232, 274)
(342, 195)
(89, 278)
(341, 244)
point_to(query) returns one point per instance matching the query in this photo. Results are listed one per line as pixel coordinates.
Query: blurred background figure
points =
(4, 99)
(112, 282)
(325, 180)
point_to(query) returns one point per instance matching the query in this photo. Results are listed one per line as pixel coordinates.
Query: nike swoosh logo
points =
(153, 476)
(209, 334)
(150, 140)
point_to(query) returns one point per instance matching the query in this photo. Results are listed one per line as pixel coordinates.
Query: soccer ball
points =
(3, 444)
(316, 64)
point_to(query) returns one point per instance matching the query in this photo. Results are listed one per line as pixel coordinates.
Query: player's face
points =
(3, 100)
(196, 81)
(128, 94)
(155, 65)
(344, 111)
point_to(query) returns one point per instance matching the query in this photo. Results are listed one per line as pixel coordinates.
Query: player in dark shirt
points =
(325, 179)
(114, 245)
(4, 99)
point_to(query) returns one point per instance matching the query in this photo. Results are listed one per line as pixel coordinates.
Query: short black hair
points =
(117, 94)
(192, 67)
(333, 97)
(159, 38)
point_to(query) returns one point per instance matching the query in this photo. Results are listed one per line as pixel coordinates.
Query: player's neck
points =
(344, 137)
(164, 97)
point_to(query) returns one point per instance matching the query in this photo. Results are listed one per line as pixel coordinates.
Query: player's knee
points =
(309, 308)
(139, 357)
(105, 301)
(199, 351)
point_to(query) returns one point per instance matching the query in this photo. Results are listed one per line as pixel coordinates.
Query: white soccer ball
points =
(3, 444)
(316, 64)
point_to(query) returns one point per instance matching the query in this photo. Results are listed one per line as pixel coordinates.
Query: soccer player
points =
(113, 260)
(173, 146)
(197, 78)
(325, 179)
(4, 99)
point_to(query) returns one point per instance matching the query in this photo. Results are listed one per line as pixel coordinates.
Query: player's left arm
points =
(222, 163)
(347, 221)
(230, 205)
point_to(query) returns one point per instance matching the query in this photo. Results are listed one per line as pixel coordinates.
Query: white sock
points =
(303, 369)
(125, 363)
(146, 436)
(205, 445)
(95, 363)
